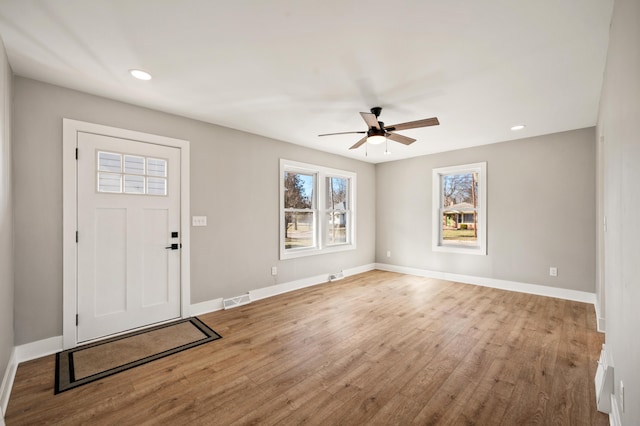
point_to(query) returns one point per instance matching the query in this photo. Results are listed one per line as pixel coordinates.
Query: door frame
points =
(70, 130)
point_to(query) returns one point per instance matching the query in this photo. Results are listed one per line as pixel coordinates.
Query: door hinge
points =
(76, 236)
(76, 320)
(76, 153)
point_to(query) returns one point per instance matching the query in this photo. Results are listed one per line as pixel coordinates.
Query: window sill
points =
(316, 251)
(460, 249)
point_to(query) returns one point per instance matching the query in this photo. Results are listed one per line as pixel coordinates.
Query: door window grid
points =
(131, 174)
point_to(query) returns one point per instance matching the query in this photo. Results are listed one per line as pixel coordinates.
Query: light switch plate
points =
(198, 221)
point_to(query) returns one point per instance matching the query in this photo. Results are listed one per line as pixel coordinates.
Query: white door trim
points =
(70, 128)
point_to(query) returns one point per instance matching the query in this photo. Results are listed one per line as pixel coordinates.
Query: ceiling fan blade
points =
(399, 138)
(340, 133)
(370, 119)
(413, 124)
(359, 143)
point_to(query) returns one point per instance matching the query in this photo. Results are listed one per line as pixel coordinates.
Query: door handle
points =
(173, 246)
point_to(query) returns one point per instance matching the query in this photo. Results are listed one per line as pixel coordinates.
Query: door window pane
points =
(156, 186)
(109, 162)
(109, 182)
(156, 167)
(133, 184)
(133, 164)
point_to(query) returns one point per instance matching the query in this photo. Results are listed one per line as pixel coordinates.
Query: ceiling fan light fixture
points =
(376, 139)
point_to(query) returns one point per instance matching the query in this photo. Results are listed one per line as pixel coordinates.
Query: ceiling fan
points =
(378, 132)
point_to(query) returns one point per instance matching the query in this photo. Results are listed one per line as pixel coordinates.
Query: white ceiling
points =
(292, 69)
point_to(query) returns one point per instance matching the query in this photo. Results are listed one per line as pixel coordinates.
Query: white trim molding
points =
(600, 321)
(206, 307)
(7, 383)
(70, 130)
(614, 416)
(540, 290)
(274, 290)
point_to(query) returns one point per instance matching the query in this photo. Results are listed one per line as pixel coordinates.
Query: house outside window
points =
(459, 209)
(316, 209)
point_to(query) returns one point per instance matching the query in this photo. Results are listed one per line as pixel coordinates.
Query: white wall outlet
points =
(198, 221)
(622, 396)
(274, 270)
(553, 271)
(388, 253)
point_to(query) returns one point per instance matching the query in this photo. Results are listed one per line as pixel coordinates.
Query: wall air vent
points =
(236, 301)
(337, 276)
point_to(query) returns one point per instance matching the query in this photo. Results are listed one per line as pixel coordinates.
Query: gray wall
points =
(618, 124)
(234, 181)
(540, 211)
(6, 209)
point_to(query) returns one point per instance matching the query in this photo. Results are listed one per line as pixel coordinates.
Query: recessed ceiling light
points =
(518, 127)
(140, 75)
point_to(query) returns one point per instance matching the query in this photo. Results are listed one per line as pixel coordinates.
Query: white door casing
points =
(96, 269)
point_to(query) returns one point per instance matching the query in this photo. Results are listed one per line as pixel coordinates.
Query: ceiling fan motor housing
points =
(377, 132)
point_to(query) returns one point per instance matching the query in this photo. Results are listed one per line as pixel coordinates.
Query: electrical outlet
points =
(388, 253)
(622, 396)
(274, 270)
(553, 271)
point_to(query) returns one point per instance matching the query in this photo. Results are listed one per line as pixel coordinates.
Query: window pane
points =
(109, 182)
(460, 191)
(133, 184)
(298, 190)
(337, 228)
(337, 191)
(133, 165)
(299, 229)
(456, 233)
(109, 162)
(156, 167)
(156, 186)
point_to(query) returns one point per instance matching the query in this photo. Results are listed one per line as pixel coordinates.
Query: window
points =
(459, 209)
(131, 174)
(337, 210)
(317, 209)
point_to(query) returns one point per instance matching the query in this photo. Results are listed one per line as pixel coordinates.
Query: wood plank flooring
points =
(378, 348)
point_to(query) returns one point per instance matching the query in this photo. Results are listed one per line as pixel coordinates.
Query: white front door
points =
(128, 219)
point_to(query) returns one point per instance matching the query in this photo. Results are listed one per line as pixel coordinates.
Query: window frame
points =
(437, 208)
(321, 210)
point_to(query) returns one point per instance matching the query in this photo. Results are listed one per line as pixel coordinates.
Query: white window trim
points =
(481, 248)
(320, 246)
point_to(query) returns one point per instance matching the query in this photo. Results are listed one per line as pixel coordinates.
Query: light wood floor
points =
(376, 348)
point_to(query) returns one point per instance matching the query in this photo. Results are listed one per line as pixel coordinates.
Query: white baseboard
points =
(205, 307)
(38, 349)
(7, 384)
(614, 415)
(540, 290)
(274, 290)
